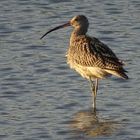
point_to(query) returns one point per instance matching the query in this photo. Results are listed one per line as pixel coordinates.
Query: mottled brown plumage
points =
(89, 56)
(90, 52)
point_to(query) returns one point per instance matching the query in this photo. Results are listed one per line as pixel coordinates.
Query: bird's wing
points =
(95, 53)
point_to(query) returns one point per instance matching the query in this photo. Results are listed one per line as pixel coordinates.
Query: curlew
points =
(91, 58)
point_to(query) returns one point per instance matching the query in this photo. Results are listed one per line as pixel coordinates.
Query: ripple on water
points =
(40, 97)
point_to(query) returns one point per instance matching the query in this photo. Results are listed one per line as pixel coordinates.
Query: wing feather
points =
(91, 52)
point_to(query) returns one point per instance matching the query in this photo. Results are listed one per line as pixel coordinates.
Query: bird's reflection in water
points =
(91, 124)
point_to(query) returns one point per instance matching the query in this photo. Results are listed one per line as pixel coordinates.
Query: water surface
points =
(40, 97)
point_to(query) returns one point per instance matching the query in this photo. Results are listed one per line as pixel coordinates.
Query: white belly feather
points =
(89, 72)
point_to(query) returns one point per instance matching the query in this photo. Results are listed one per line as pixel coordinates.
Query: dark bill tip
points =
(56, 28)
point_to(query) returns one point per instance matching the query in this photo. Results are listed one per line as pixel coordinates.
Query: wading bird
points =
(89, 56)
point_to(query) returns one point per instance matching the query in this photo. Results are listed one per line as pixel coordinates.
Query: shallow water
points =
(40, 97)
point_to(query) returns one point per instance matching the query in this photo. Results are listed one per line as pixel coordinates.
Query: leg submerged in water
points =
(94, 88)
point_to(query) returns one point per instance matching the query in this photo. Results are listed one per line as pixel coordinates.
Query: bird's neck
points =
(79, 31)
(76, 33)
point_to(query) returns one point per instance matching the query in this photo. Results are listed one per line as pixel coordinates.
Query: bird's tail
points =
(119, 73)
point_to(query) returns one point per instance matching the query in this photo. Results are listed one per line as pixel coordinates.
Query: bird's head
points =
(79, 21)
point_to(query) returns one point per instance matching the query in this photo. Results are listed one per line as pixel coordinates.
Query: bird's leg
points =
(91, 84)
(94, 88)
(95, 91)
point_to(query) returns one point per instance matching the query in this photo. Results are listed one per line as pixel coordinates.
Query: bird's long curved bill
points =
(56, 28)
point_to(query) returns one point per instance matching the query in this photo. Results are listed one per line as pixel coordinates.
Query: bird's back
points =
(93, 59)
